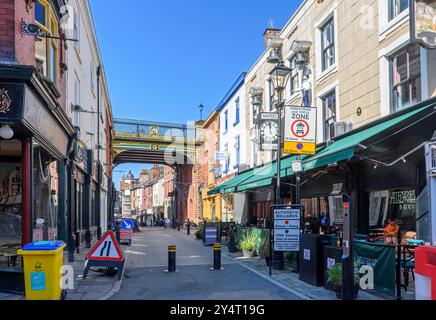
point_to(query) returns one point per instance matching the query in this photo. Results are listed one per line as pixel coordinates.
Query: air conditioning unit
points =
(340, 128)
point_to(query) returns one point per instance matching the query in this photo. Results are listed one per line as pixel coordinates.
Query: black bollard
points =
(171, 258)
(217, 256)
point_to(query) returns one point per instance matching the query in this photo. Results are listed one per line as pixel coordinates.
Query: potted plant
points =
(248, 243)
(247, 248)
(335, 280)
(199, 233)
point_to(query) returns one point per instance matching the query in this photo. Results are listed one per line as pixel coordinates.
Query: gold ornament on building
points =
(5, 101)
(155, 131)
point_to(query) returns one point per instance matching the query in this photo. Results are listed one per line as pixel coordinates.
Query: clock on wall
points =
(269, 130)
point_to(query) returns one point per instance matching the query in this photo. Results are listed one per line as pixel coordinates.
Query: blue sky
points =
(164, 57)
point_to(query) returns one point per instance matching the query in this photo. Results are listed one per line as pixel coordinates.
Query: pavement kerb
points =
(117, 285)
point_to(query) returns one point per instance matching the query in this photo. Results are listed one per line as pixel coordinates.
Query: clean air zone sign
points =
(300, 130)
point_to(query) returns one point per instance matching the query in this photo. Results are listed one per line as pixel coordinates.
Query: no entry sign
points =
(300, 130)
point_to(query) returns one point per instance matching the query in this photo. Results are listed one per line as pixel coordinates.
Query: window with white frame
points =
(396, 7)
(227, 164)
(76, 33)
(92, 70)
(329, 114)
(226, 121)
(237, 111)
(406, 78)
(237, 150)
(328, 56)
(294, 78)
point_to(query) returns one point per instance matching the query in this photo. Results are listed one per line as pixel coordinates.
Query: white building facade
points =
(89, 108)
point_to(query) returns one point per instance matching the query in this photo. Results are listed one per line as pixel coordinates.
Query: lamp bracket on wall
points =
(31, 29)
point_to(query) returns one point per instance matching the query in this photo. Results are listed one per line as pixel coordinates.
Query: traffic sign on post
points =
(300, 130)
(287, 230)
(127, 225)
(106, 253)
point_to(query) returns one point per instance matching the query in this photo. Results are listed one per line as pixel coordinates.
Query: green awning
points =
(345, 148)
(342, 149)
(263, 176)
(230, 185)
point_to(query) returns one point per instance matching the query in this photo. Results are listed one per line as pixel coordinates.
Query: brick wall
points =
(7, 30)
(24, 45)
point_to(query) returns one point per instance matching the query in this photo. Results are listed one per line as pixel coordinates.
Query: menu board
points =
(210, 235)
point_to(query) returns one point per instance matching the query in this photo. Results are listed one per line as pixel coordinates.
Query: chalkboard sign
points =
(210, 235)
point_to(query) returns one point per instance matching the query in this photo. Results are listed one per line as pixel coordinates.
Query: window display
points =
(45, 194)
(10, 204)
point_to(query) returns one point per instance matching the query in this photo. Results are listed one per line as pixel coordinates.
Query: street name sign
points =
(300, 130)
(287, 230)
(106, 253)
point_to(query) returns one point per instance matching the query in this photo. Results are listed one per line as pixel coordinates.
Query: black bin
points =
(311, 258)
(332, 255)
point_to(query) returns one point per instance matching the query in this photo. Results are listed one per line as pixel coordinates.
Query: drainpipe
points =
(99, 173)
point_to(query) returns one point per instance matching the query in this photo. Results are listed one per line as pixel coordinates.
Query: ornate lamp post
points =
(279, 78)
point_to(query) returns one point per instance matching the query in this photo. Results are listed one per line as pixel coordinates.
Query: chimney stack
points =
(270, 33)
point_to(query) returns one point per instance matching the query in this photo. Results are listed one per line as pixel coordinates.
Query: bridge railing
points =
(138, 128)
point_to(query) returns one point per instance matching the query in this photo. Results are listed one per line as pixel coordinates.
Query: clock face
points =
(269, 130)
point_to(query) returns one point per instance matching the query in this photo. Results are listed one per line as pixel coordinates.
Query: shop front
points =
(35, 140)
(382, 168)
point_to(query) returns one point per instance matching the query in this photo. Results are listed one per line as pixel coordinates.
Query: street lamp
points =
(6, 132)
(279, 77)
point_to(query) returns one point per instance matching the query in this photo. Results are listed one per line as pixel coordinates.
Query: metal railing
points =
(139, 128)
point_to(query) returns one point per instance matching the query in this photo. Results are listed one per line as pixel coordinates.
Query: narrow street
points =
(147, 259)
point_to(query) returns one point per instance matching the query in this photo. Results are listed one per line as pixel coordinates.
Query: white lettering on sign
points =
(287, 230)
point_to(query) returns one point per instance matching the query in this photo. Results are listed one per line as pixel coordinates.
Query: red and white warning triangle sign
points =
(107, 249)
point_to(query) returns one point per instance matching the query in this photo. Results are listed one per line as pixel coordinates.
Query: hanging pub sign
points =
(423, 22)
(300, 130)
(268, 123)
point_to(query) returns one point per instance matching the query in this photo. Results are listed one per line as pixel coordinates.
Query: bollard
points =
(171, 258)
(188, 228)
(217, 256)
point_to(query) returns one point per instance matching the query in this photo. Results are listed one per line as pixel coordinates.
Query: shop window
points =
(328, 57)
(79, 206)
(44, 194)
(337, 210)
(402, 206)
(329, 114)
(406, 78)
(10, 203)
(396, 7)
(378, 208)
(94, 219)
